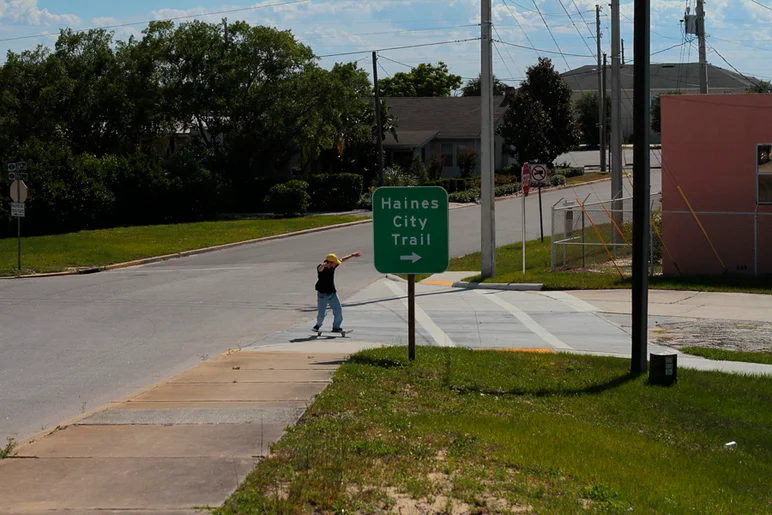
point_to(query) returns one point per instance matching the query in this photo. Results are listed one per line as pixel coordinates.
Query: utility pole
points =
(641, 185)
(378, 124)
(487, 201)
(616, 116)
(602, 101)
(604, 115)
(701, 37)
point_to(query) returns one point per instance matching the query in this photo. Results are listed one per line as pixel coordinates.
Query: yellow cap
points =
(332, 258)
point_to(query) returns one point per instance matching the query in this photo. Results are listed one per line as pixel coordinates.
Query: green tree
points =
(539, 123)
(760, 86)
(655, 111)
(588, 118)
(472, 87)
(425, 80)
(525, 128)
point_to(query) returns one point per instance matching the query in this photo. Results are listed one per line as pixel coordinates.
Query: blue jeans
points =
(322, 300)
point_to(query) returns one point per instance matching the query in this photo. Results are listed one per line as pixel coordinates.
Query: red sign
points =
(526, 177)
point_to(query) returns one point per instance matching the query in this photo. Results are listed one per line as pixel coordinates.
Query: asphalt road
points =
(71, 344)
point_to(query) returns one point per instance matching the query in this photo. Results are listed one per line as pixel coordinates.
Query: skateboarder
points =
(326, 294)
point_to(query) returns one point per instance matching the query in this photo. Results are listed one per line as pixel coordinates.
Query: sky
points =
(739, 31)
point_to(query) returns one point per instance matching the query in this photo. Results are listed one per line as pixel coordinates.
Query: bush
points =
(67, 192)
(556, 180)
(451, 185)
(435, 167)
(366, 202)
(467, 162)
(396, 176)
(464, 197)
(290, 198)
(512, 171)
(574, 171)
(418, 170)
(507, 189)
(335, 192)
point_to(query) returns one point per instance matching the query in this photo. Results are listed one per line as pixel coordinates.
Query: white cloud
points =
(26, 12)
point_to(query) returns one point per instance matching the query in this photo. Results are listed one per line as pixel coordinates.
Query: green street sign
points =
(411, 230)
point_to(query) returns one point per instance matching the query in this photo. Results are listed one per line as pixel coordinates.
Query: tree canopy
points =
(200, 112)
(588, 118)
(425, 80)
(539, 123)
(473, 89)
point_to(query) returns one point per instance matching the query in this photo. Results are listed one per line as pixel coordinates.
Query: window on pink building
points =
(764, 174)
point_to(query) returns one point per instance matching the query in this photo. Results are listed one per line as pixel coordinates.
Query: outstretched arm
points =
(352, 255)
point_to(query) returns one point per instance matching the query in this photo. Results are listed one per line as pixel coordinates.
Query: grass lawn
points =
(764, 357)
(587, 177)
(509, 269)
(107, 246)
(461, 431)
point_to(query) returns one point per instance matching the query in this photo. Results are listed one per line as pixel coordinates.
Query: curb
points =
(156, 259)
(395, 278)
(551, 189)
(499, 286)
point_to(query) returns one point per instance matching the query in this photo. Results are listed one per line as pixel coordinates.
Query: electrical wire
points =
(524, 32)
(577, 28)
(389, 32)
(399, 47)
(542, 51)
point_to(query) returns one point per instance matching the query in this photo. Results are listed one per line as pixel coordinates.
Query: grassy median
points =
(509, 269)
(104, 247)
(461, 431)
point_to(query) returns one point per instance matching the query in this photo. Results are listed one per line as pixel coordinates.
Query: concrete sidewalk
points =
(685, 304)
(182, 444)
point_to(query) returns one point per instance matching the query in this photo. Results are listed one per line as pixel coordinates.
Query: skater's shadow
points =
(311, 339)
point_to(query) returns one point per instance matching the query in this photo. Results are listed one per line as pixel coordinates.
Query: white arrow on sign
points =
(415, 257)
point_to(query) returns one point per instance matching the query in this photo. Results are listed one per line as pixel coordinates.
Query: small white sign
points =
(17, 209)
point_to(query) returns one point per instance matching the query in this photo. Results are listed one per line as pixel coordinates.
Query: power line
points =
(752, 81)
(544, 51)
(399, 31)
(399, 47)
(507, 51)
(189, 16)
(397, 62)
(552, 35)
(768, 8)
(520, 27)
(574, 24)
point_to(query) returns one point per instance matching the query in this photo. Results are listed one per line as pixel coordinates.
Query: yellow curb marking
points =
(437, 283)
(532, 351)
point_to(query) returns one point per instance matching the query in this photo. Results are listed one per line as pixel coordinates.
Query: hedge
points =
(290, 198)
(334, 192)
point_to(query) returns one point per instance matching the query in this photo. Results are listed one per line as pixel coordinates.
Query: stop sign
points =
(18, 191)
(526, 178)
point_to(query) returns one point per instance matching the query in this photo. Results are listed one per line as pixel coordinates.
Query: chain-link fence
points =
(598, 236)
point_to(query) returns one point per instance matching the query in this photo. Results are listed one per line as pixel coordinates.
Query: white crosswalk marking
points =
(526, 320)
(578, 304)
(437, 334)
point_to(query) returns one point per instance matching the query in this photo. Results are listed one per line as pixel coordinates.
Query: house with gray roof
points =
(444, 126)
(665, 78)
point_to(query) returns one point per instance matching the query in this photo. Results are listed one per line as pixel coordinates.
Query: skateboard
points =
(332, 333)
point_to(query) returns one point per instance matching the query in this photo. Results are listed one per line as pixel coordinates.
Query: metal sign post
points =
(19, 196)
(411, 235)
(539, 174)
(525, 176)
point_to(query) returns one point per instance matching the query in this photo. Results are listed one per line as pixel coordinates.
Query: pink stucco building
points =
(716, 149)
